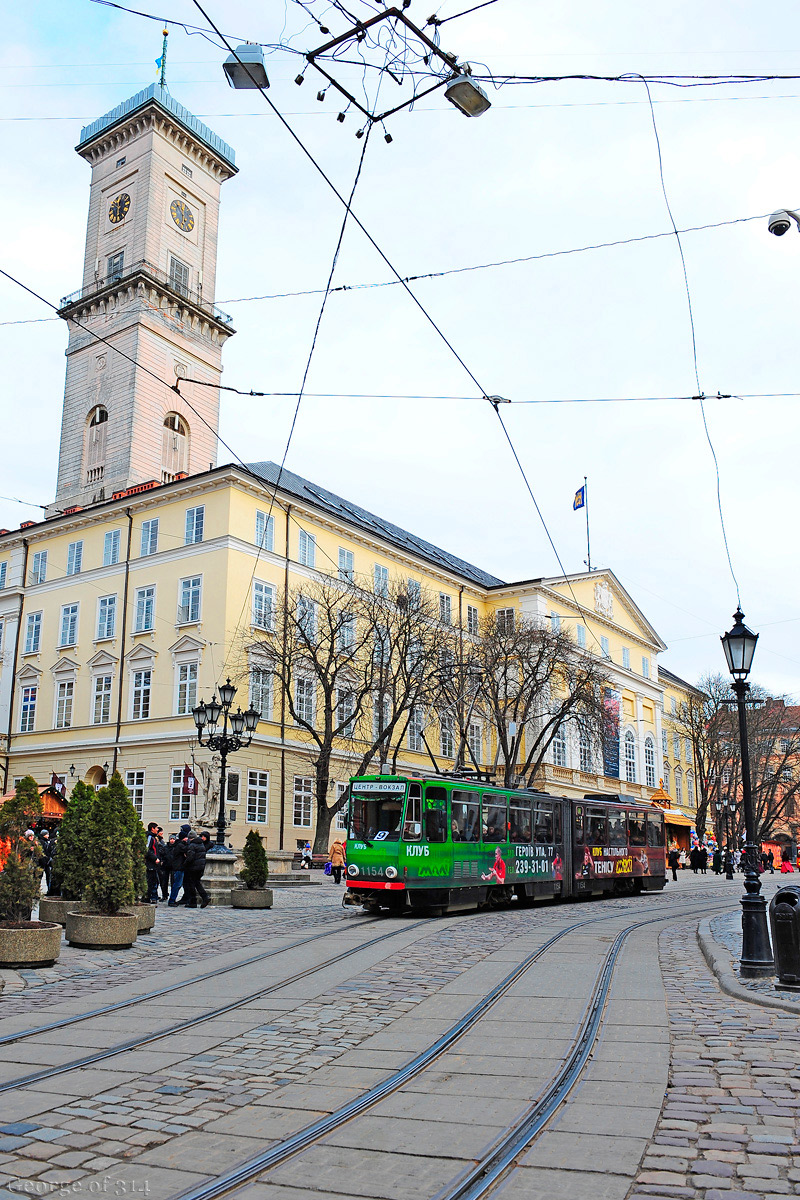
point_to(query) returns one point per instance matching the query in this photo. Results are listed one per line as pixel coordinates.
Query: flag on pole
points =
(58, 786)
(189, 782)
(580, 498)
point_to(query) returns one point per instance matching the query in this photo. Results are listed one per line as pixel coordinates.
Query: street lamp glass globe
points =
(251, 719)
(226, 693)
(237, 722)
(200, 715)
(739, 645)
(213, 709)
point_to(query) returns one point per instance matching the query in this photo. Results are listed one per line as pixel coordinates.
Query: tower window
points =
(114, 267)
(96, 436)
(173, 447)
(120, 162)
(179, 275)
(186, 170)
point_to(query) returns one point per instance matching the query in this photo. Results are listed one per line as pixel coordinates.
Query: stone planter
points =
(220, 874)
(251, 897)
(29, 943)
(53, 908)
(145, 915)
(96, 931)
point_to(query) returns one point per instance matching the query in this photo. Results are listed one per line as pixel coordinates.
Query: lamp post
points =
(243, 726)
(739, 645)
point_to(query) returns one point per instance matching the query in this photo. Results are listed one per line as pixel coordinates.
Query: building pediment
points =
(101, 659)
(602, 595)
(142, 654)
(187, 645)
(29, 675)
(65, 666)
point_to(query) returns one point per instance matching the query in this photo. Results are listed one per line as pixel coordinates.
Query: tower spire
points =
(161, 63)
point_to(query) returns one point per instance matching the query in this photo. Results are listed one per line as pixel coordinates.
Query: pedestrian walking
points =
(694, 859)
(771, 862)
(716, 861)
(152, 862)
(337, 860)
(673, 859)
(786, 863)
(737, 859)
(702, 858)
(178, 864)
(682, 859)
(727, 863)
(193, 869)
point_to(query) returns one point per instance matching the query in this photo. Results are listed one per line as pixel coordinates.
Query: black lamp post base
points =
(756, 960)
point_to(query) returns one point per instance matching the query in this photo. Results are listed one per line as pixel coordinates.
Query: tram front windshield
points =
(377, 817)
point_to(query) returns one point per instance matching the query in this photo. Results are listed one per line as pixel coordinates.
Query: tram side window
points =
(412, 827)
(495, 818)
(466, 823)
(519, 816)
(596, 827)
(636, 826)
(558, 835)
(579, 825)
(617, 834)
(655, 831)
(436, 814)
(543, 824)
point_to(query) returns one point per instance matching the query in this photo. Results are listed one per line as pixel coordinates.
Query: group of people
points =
(176, 866)
(337, 859)
(725, 861)
(42, 851)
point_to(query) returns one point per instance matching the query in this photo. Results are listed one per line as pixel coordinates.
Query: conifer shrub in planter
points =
(23, 942)
(112, 875)
(254, 874)
(70, 871)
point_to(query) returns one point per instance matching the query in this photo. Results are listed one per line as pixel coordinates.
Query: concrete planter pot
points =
(96, 931)
(29, 943)
(53, 908)
(251, 897)
(145, 915)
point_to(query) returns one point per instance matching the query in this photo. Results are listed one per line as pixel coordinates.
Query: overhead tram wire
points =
(417, 302)
(300, 394)
(700, 397)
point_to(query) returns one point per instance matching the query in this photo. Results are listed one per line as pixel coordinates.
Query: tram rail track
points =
(505, 1150)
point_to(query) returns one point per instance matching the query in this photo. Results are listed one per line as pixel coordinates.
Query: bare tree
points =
(353, 665)
(534, 683)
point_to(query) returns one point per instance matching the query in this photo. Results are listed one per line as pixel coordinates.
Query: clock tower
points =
(132, 414)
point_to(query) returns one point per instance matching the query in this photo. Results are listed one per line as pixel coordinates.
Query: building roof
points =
(669, 677)
(156, 93)
(329, 502)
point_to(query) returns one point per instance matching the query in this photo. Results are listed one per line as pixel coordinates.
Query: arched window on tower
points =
(174, 447)
(96, 440)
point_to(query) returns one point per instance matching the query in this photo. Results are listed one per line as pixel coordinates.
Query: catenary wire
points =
(699, 396)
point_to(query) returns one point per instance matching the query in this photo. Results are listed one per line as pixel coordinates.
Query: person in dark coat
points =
(152, 862)
(716, 861)
(771, 862)
(46, 852)
(165, 870)
(672, 859)
(702, 858)
(694, 859)
(179, 849)
(193, 872)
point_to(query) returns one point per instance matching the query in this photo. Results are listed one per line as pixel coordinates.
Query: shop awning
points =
(673, 817)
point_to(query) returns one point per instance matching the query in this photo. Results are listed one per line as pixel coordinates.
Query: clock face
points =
(118, 209)
(182, 215)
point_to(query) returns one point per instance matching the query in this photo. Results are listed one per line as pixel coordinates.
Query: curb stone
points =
(720, 962)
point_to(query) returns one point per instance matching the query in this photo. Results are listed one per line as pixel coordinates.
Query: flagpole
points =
(586, 503)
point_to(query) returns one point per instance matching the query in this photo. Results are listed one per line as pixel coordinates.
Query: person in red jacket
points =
(498, 871)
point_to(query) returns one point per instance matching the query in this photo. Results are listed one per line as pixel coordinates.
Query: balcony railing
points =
(145, 268)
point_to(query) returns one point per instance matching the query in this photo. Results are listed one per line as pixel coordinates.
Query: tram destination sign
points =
(378, 787)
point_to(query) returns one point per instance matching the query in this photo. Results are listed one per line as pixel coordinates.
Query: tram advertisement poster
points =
(605, 861)
(612, 708)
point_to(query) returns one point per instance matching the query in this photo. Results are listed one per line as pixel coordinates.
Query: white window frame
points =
(134, 782)
(68, 625)
(195, 523)
(626, 657)
(305, 698)
(190, 594)
(504, 618)
(555, 622)
(144, 604)
(586, 753)
(33, 633)
(473, 621)
(27, 708)
(39, 569)
(307, 549)
(475, 740)
(3, 574)
(101, 699)
(416, 725)
(64, 700)
(447, 737)
(380, 715)
(679, 785)
(676, 747)
(303, 800)
(445, 608)
(380, 580)
(265, 531)
(141, 693)
(604, 646)
(645, 666)
(261, 689)
(345, 709)
(149, 541)
(307, 617)
(580, 636)
(263, 614)
(414, 591)
(649, 762)
(106, 618)
(346, 563)
(74, 558)
(257, 797)
(186, 674)
(179, 805)
(558, 747)
(340, 820)
(629, 743)
(111, 542)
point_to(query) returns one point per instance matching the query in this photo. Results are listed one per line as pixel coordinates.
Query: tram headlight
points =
(391, 872)
(352, 870)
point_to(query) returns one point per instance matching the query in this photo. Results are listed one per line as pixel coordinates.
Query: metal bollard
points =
(784, 920)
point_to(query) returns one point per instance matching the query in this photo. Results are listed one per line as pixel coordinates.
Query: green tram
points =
(442, 843)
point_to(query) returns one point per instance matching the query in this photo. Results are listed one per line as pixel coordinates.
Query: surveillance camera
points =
(780, 223)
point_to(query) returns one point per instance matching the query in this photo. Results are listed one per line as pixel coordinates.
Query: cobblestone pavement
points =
(730, 1124)
(727, 930)
(137, 1108)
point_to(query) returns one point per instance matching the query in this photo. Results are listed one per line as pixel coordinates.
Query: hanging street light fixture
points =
(244, 68)
(739, 645)
(467, 96)
(242, 727)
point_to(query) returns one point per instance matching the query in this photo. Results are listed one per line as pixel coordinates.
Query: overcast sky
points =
(551, 167)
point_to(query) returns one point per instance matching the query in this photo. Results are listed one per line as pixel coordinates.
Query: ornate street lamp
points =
(243, 726)
(739, 645)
